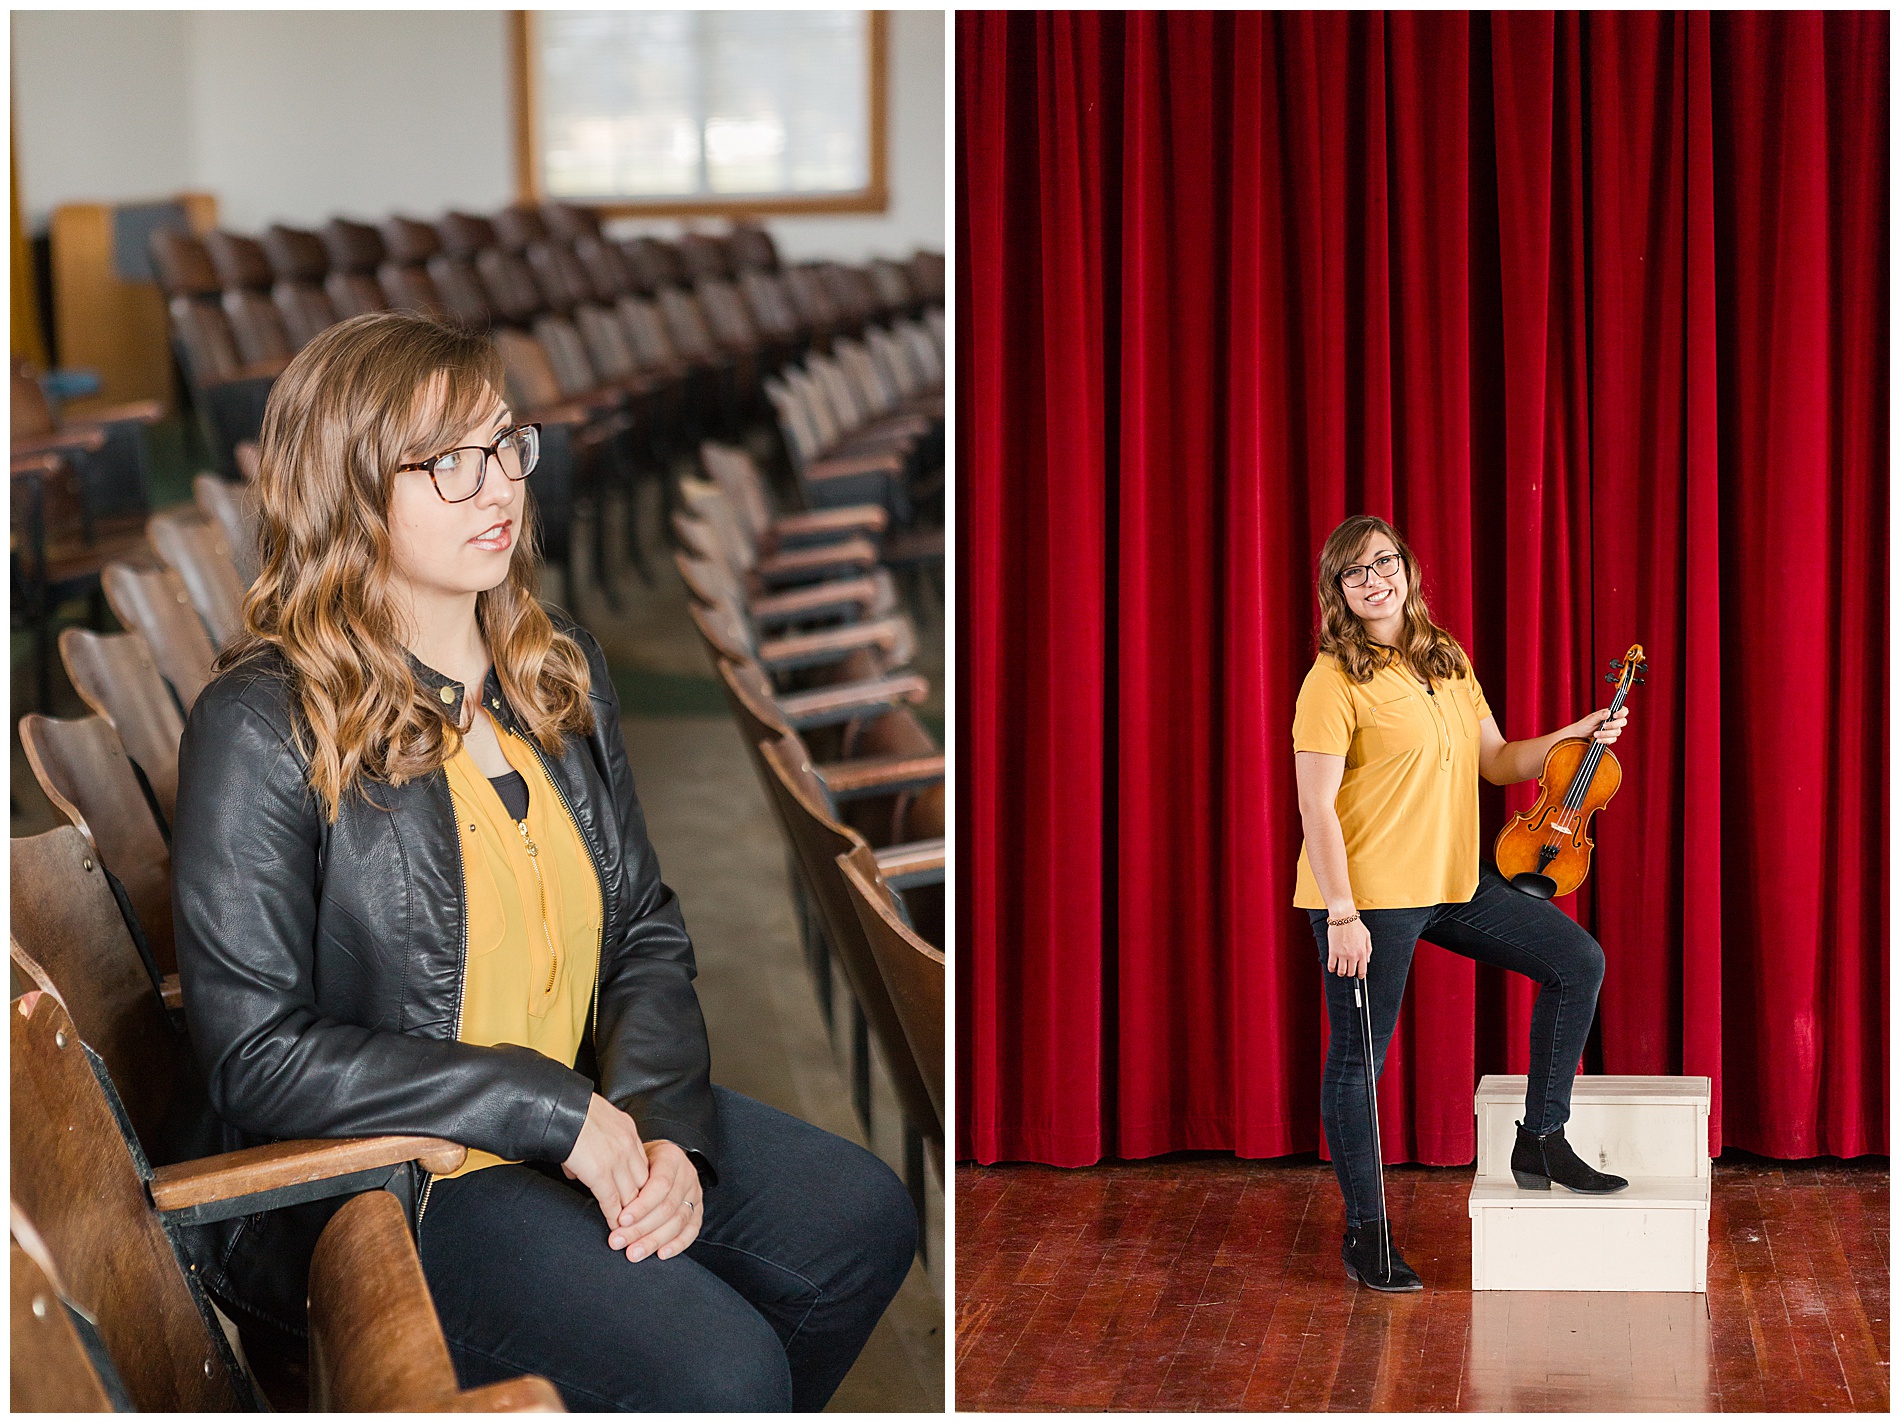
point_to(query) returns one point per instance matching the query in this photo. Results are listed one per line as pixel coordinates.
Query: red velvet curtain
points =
(1594, 308)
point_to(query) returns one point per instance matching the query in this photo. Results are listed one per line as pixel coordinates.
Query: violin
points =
(1545, 851)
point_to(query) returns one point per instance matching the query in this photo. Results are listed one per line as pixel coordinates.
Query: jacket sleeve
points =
(650, 1040)
(247, 866)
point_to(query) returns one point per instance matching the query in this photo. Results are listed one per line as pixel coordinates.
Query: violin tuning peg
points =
(1610, 677)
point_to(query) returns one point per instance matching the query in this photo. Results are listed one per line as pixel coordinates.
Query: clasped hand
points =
(648, 1191)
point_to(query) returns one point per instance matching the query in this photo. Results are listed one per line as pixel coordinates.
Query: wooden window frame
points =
(874, 197)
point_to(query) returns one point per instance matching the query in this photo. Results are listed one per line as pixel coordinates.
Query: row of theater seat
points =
(800, 616)
(108, 1308)
(585, 313)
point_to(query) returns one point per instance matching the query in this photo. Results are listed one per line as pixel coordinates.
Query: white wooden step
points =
(1652, 1236)
(1628, 1126)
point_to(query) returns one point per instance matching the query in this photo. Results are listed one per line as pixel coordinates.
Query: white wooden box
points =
(1652, 1236)
(1628, 1126)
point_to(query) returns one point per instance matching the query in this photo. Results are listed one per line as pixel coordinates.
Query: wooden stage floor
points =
(1209, 1283)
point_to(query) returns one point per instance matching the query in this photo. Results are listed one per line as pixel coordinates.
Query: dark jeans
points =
(805, 1239)
(1497, 925)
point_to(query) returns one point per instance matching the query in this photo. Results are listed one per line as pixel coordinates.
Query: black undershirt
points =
(513, 792)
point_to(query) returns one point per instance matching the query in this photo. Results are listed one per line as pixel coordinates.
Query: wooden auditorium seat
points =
(70, 938)
(196, 549)
(54, 1369)
(300, 266)
(233, 508)
(155, 603)
(257, 325)
(356, 253)
(115, 674)
(912, 969)
(82, 767)
(106, 1216)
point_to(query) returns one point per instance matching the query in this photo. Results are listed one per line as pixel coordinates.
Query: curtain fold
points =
(1593, 307)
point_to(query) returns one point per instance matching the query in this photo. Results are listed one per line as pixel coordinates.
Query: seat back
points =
(198, 550)
(52, 1369)
(117, 677)
(522, 225)
(76, 1179)
(464, 234)
(728, 315)
(155, 603)
(408, 287)
(703, 255)
(569, 222)
(461, 291)
(606, 269)
(737, 475)
(608, 349)
(527, 371)
(652, 342)
(378, 1360)
(70, 938)
(568, 353)
(818, 840)
(686, 324)
(751, 246)
(82, 767)
(32, 415)
(654, 263)
(772, 309)
(354, 294)
(725, 634)
(892, 283)
(912, 969)
(301, 265)
(233, 508)
(509, 282)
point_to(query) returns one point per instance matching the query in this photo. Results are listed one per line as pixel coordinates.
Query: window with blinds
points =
(694, 110)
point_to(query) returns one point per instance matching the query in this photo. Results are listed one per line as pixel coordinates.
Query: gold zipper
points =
(534, 863)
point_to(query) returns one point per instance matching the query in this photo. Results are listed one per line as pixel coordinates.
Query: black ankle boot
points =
(1536, 1161)
(1361, 1254)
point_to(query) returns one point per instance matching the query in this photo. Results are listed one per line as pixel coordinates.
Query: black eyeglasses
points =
(458, 474)
(1385, 565)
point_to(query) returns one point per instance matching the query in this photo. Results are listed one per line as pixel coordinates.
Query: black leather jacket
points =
(322, 965)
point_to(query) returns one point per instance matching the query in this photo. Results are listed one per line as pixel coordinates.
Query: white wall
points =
(299, 116)
(100, 105)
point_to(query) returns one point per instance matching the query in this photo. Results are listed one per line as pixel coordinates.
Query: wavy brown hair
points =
(1426, 648)
(367, 395)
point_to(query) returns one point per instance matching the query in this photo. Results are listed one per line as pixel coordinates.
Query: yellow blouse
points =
(1408, 803)
(534, 915)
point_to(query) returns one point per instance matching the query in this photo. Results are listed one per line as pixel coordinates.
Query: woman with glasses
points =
(415, 896)
(1390, 736)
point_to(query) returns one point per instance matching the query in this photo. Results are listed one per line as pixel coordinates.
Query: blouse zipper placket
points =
(600, 938)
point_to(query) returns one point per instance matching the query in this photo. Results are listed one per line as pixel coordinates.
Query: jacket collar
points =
(450, 693)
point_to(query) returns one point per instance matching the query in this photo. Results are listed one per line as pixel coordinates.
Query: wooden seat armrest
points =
(825, 523)
(844, 466)
(826, 706)
(805, 648)
(36, 466)
(866, 773)
(859, 591)
(845, 553)
(915, 863)
(259, 1170)
(79, 439)
(527, 1394)
(146, 412)
(170, 993)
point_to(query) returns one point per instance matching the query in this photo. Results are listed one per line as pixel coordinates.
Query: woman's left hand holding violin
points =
(663, 1219)
(1598, 725)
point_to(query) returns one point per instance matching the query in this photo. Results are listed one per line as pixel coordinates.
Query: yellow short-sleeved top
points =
(524, 983)
(1409, 801)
